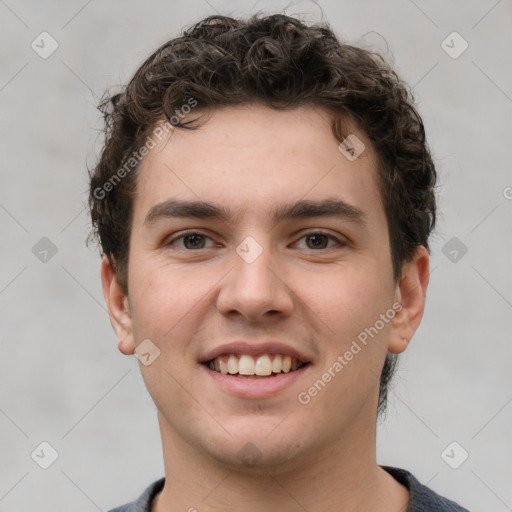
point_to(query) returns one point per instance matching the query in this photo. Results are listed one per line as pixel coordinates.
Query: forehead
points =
(254, 158)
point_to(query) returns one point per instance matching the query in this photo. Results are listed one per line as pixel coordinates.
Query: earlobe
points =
(118, 308)
(411, 293)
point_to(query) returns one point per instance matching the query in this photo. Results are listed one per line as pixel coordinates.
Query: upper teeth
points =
(249, 365)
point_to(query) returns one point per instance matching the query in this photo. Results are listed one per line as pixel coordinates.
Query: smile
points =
(245, 383)
(244, 365)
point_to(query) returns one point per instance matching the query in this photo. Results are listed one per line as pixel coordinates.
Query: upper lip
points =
(255, 349)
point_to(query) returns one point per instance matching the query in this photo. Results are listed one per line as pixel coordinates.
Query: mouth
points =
(255, 371)
(245, 366)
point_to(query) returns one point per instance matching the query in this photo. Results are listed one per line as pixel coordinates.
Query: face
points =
(296, 271)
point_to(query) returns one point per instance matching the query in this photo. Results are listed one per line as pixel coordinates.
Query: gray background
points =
(63, 380)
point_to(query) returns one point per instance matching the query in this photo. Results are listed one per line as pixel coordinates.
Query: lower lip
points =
(256, 388)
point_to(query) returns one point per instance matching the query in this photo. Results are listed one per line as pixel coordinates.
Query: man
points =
(264, 201)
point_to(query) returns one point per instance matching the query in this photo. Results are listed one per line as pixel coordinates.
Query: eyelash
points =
(339, 242)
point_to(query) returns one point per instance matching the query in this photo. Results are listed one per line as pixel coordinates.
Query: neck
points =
(342, 477)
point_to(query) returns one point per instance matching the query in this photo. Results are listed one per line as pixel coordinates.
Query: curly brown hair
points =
(280, 62)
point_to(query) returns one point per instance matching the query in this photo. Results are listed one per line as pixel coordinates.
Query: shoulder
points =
(422, 499)
(143, 502)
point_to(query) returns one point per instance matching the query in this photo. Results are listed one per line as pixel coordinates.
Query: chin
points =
(260, 449)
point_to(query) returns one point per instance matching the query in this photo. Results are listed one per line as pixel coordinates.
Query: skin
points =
(314, 457)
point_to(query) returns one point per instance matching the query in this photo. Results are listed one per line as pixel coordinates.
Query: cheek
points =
(168, 303)
(354, 338)
(163, 311)
(354, 341)
(157, 302)
(347, 300)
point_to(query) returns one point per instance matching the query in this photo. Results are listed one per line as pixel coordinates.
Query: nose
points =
(257, 287)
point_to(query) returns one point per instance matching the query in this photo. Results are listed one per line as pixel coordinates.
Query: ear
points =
(118, 308)
(410, 293)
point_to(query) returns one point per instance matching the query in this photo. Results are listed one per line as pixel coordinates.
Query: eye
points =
(319, 238)
(192, 240)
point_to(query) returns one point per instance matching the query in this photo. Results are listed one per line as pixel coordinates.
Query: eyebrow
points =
(175, 208)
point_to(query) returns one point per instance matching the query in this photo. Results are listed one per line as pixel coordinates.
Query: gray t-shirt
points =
(422, 499)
